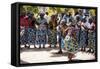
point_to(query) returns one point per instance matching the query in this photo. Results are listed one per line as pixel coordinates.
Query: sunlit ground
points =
(33, 55)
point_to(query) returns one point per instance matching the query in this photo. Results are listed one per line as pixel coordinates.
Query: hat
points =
(42, 13)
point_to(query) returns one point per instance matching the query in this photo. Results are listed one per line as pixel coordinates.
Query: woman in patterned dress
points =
(91, 36)
(77, 27)
(28, 28)
(31, 30)
(52, 32)
(70, 41)
(83, 35)
(23, 29)
(63, 33)
(42, 30)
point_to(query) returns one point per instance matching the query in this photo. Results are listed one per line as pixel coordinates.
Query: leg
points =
(70, 56)
(49, 45)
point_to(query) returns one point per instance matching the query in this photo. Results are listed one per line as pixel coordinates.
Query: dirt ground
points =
(36, 55)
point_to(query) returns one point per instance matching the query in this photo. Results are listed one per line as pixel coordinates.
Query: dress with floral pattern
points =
(91, 40)
(52, 37)
(31, 36)
(83, 38)
(24, 36)
(70, 41)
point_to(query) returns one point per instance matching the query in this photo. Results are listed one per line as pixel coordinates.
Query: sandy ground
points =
(34, 55)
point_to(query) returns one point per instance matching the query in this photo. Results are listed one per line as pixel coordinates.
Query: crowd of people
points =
(74, 32)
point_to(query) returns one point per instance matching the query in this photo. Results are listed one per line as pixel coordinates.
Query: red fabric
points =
(24, 21)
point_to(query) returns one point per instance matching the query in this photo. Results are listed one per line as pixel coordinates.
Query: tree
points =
(32, 9)
(92, 12)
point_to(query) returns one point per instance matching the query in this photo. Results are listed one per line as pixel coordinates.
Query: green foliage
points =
(51, 10)
(92, 12)
(32, 9)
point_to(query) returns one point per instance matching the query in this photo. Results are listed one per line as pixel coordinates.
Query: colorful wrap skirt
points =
(78, 37)
(41, 37)
(52, 37)
(71, 44)
(31, 36)
(27, 36)
(23, 36)
(83, 39)
(91, 40)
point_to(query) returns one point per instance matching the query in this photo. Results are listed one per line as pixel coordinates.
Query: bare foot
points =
(70, 56)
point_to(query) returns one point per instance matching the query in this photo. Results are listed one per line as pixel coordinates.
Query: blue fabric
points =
(83, 38)
(62, 42)
(41, 37)
(31, 36)
(78, 37)
(28, 37)
(24, 37)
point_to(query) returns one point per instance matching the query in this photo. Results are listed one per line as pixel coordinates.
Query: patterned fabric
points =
(71, 44)
(83, 38)
(41, 33)
(41, 21)
(31, 36)
(70, 40)
(41, 36)
(24, 36)
(91, 40)
(28, 36)
(78, 37)
(52, 37)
